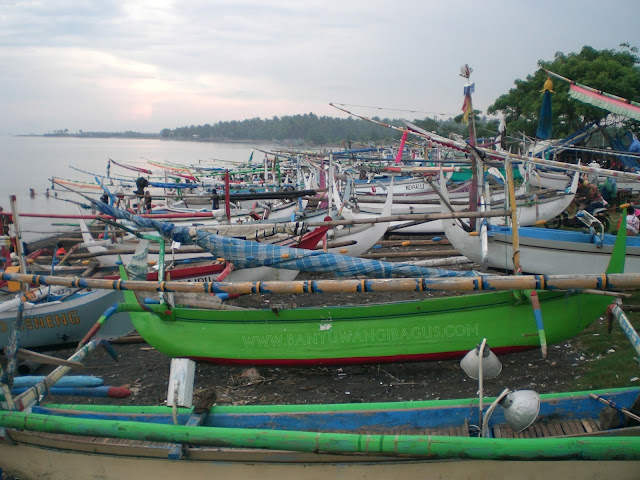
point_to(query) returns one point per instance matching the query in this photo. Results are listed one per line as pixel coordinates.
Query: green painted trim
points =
(330, 407)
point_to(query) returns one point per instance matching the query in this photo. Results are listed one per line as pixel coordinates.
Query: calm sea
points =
(30, 162)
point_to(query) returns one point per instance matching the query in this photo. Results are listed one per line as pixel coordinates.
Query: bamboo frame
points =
(614, 281)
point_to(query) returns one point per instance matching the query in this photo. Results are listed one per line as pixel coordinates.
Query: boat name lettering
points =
(202, 279)
(415, 186)
(365, 336)
(49, 321)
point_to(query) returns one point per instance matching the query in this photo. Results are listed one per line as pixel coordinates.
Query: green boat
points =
(563, 435)
(430, 329)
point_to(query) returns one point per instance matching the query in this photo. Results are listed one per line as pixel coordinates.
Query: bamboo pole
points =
(494, 154)
(615, 312)
(421, 217)
(514, 215)
(614, 281)
(18, 233)
(421, 253)
(412, 243)
(31, 396)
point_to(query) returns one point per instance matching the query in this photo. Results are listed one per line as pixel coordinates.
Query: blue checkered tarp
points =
(250, 254)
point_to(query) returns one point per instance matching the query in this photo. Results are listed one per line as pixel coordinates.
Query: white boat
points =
(542, 250)
(64, 316)
(531, 210)
(351, 241)
(549, 180)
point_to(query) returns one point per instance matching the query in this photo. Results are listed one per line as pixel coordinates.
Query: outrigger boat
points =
(50, 316)
(541, 250)
(566, 436)
(516, 434)
(430, 329)
(432, 439)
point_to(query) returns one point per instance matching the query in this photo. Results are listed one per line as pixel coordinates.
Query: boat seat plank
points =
(538, 430)
(586, 425)
(544, 430)
(572, 427)
(555, 430)
(577, 426)
(567, 428)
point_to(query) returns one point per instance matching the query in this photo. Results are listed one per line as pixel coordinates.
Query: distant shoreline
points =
(128, 135)
(153, 136)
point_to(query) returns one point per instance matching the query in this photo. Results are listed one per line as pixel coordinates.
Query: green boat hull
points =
(431, 329)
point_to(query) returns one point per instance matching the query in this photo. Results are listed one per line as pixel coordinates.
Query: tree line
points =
(310, 129)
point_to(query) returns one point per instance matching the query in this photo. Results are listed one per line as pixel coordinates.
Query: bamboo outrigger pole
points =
(514, 215)
(495, 155)
(614, 281)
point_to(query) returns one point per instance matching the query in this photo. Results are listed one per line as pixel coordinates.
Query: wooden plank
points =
(577, 426)
(537, 430)
(566, 428)
(553, 431)
(544, 430)
(587, 427)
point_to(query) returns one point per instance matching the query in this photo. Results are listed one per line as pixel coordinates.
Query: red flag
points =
(402, 142)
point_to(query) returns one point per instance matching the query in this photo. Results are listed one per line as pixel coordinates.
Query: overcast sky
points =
(144, 65)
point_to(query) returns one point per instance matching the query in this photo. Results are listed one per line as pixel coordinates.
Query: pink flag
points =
(402, 142)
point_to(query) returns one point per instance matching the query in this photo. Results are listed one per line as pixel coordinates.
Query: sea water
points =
(30, 163)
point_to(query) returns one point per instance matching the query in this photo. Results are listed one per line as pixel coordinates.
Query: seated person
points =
(633, 223)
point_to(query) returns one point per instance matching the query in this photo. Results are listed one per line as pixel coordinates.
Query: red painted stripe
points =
(293, 362)
(605, 98)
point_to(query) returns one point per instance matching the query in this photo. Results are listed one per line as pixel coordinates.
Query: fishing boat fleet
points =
(163, 252)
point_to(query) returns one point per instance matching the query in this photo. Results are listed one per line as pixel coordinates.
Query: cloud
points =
(146, 65)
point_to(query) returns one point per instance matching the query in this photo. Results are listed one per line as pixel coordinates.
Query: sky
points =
(145, 65)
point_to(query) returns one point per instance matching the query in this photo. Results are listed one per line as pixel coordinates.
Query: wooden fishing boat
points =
(64, 316)
(531, 210)
(435, 439)
(423, 330)
(542, 250)
(352, 240)
(430, 329)
(546, 179)
(56, 316)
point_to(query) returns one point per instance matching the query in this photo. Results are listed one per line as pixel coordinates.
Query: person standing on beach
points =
(60, 251)
(147, 202)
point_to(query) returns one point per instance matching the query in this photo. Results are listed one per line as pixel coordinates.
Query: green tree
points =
(613, 71)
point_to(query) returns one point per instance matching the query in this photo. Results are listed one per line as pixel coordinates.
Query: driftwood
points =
(46, 359)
